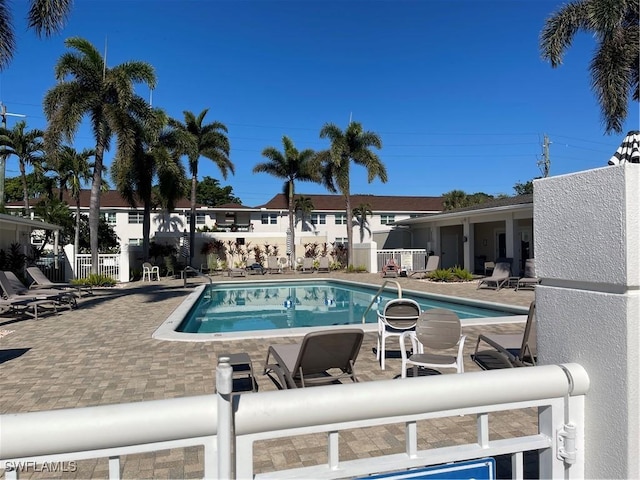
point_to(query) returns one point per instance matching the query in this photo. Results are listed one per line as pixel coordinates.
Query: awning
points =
(629, 151)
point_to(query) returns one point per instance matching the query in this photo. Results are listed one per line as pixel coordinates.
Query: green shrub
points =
(441, 275)
(461, 274)
(95, 279)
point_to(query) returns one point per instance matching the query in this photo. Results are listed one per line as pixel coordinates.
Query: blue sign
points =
(481, 469)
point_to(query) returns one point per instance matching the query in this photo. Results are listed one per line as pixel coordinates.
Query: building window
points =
(135, 242)
(341, 219)
(269, 219)
(136, 217)
(387, 219)
(318, 219)
(110, 218)
(341, 240)
(201, 218)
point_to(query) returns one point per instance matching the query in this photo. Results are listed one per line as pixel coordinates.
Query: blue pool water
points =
(243, 307)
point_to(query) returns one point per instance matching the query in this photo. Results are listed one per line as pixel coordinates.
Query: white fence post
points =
(224, 387)
(124, 263)
(69, 253)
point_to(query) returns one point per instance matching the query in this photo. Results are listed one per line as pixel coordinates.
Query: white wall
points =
(587, 244)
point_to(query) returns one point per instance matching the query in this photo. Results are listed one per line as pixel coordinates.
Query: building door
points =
(450, 251)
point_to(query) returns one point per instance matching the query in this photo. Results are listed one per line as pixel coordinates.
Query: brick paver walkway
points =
(102, 353)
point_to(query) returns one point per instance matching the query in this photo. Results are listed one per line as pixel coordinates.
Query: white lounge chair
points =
(323, 265)
(433, 262)
(499, 278)
(307, 265)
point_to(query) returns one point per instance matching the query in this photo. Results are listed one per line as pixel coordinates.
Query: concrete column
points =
(124, 269)
(69, 253)
(467, 244)
(587, 244)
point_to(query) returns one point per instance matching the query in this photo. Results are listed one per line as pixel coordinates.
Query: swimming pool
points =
(293, 307)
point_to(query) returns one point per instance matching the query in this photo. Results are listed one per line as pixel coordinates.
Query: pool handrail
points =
(189, 269)
(375, 296)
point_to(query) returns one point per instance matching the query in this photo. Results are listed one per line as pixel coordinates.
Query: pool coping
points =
(166, 330)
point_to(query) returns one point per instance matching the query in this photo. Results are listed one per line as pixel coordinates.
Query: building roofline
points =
(4, 218)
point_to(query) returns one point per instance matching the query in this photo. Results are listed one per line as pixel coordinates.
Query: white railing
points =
(216, 421)
(108, 265)
(410, 259)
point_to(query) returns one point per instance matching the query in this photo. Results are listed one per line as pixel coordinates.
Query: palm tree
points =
(86, 86)
(290, 165)
(303, 207)
(615, 65)
(71, 170)
(197, 140)
(134, 175)
(27, 146)
(46, 17)
(361, 212)
(354, 144)
(454, 199)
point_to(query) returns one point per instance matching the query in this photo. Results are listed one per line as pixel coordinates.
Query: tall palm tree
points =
(198, 140)
(27, 146)
(46, 17)
(361, 212)
(352, 145)
(290, 165)
(303, 207)
(134, 175)
(615, 66)
(87, 87)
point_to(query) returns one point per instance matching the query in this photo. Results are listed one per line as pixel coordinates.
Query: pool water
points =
(281, 305)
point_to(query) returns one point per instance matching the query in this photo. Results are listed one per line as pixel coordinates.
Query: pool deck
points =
(102, 353)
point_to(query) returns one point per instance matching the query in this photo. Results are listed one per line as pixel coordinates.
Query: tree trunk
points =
(347, 201)
(192, 217)
(146, 229)
(292, 224)
(25, 190)
(94, 206)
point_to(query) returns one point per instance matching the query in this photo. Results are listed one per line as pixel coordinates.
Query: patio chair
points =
(437, 332)
(499, 277)
(322, 357)
(307, 265)
(433, 262)
(150, 271)
(390, 269)
(40, 281)
(17, 296)
(398, 316)
(272, 265)
(509, 351)
(529, 280)
(323, 265)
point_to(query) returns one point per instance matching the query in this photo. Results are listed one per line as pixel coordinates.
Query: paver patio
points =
(102, 353)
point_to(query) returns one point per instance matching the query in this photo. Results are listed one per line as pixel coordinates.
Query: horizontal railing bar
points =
(107, 426)
(325, 405)
(401, 461)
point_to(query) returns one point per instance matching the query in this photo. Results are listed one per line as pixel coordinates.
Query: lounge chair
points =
(40, 281)
(256, 269)
(509, 351)
(272, 265)
(398, 316)
(437, 331)
(307, 265)
(499, 277)
(391, 269)
(323, 265)
(19, 298)
(237, 272)
(150, 271)
(529, 280)
(433, 262)
(323, 357)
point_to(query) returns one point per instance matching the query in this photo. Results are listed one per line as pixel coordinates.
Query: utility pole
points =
(3, 154)
(545, 163)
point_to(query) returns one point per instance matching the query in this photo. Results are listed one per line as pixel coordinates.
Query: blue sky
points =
(456, 89)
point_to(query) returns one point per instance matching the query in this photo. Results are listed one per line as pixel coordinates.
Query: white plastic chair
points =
(437, 330)
(148, 272)
(398, 316)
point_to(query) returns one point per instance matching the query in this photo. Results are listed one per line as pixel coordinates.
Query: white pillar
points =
(467, 244)
(124, 263)
(69, 253)
(587, 244)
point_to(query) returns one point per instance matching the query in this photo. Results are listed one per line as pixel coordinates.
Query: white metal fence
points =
(218, 422)
(108, 265)
(408, 259)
